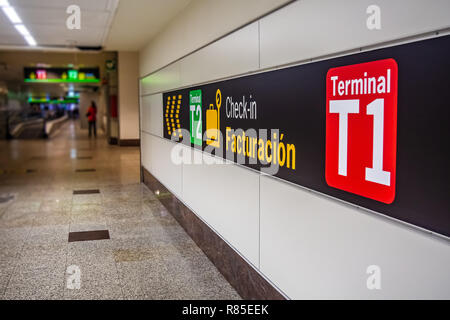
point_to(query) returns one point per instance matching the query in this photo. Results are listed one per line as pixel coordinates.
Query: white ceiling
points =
(138, 21)
(46, 21)
(113, 24)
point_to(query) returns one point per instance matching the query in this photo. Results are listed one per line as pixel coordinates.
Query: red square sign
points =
(361, 129)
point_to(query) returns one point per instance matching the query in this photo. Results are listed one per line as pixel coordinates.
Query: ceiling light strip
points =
(12, 14)
(22, 29)
(17, 22)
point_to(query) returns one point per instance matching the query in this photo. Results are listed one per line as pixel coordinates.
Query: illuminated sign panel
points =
(61, 75)
(41, 74)
(54, 101)
(73, 74)
(195, 117)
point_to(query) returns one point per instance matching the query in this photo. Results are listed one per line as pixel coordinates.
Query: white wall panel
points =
(311, 28)
(162, 166)
(235, 54)
(142, 118)
(152, 114)
(163, 80)
(201, 22)
(146, 149)
(226, 197)
(315, 247)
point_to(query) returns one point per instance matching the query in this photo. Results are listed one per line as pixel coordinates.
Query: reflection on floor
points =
(148, 255)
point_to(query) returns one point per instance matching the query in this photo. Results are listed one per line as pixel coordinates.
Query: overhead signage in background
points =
(66, 100)
(370, 128)
(61, 75)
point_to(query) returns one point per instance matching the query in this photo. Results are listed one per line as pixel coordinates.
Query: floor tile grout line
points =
(67, 250)
(119, 279)
(120, 284)
(65, 271)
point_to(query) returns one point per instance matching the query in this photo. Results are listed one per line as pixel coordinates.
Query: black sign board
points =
(410, 82)
(59, 75)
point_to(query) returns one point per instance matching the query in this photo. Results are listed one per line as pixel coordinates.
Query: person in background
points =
(92, 117)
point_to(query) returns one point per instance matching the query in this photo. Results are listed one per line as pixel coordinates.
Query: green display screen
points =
(53, 101)
(61, 75)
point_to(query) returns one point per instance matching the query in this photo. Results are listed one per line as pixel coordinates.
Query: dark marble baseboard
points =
(243, 277)
(129, 142)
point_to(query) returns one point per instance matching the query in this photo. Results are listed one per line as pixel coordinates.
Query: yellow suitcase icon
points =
(213, 122)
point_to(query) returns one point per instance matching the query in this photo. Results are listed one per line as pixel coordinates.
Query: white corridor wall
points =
(308, 245)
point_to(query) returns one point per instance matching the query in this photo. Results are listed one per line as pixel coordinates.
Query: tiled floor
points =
(149, 256)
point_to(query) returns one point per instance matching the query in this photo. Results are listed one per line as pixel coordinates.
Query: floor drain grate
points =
(90, 191)
(88, 235)
(31, 171)
(84, 158)
(38, 158)
(85, 170)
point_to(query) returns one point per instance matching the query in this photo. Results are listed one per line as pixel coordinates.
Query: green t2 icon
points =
(195, 117)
